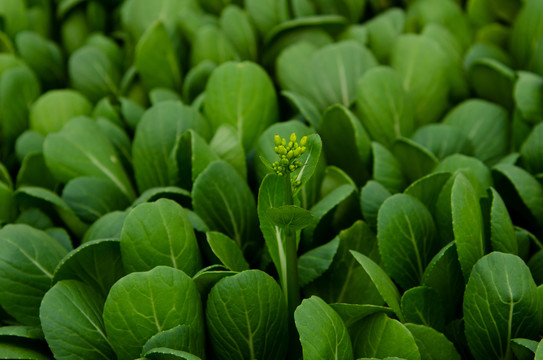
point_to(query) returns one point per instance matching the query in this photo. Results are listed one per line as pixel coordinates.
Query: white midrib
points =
(282, 260)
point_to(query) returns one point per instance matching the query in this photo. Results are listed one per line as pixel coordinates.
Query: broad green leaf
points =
(492, 80)
(62, 236)
(108, 226)
(524, 349)
(386, 110)
(485, 124)
(28, 142)
(316, 231)
(35, 218)
(190, 156)
(227, 145)
(161, 94)
(389, 292)
(159, 233)
(138, 15)
(352, 313)
(421, 64)
(78, 329)
(247, 317)
(18, 90)
(443, 140)
(520, 190)
(156, 60)
(415, 159)
(156, 137)
(90, 197)
(305, 107)
(372, 196)
(292, 69)
(93, 73)
(315, 262)
(345, 142)
(239, 30)
(501, 302)
(334, 72)
(119, 139)
(265, 145)
(502, 231)
(28, 258)
(386, 169)
(8, 350)
(528, 95)
(81, 149)
(143, 304)
(345, 281)
(96, 263)
(289, 217)
(211, 44)
(531, 151)
(227, 251)
(427, 188)
(383, 30)
(467, 221)
(380, 336)
(196, 80)
(472, 168)
(432, 344)
(251, 106)
(526, 31)
(14, 14)
(34, 172)
(407, 238)
(422, 305)
(444, 275)
(53, 109)
(179, 338)
(264, 13)
(225, 202)
(322, 332)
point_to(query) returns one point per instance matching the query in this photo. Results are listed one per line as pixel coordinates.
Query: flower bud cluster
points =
(288, 153)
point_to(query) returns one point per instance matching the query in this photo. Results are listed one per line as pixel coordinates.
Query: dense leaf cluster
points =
(150, 209)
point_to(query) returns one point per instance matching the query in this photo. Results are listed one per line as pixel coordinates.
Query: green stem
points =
(291, 288)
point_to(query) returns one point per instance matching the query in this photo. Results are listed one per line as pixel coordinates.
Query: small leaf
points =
(315, 262)
(386, 169)
(416, 160)
(227, 251)
(322, 332)
(502, 231)
(179, 338)
(432, 344)
(290, 217)
(422, 305)
(372, 196)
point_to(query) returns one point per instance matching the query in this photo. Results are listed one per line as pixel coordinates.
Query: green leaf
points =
(290, 217)
(527, 29)
(156, 137)
(345, 281)
(407, 238)
(432, 344)
(427, 188)
(264, 13)
(531, 151)
(380, 336)
(386, 110)
(421, 64)
(485, 124)
(251, 106)
(236, 25)
(28, 142)
(345, 142)
(227, 145)
(386, 169)
(521, 190)
(81, 149)
(108, 226)
(34, 172)
(304, 106)
(524, 349)
(539, 351)
(422, 305)
(502, 231)
(141, 305)
(383, 30)
(247, 317)
(496, 308)
(21, 331)
(225, 202)
(206, 278)
(96, 263)
(416, 160)
(159, 233)
(372, 196)
(492, 80)
(9, 350)
(468, 225)
(169, 354)
(443, 140)
(315, 262)
(334, 72)
(528, 95)
(28, 258)
(179, 338)
(93, 73)
(78, 330)
(292, 68)
(322, 331)
(382, 282)
(353, 313)
(196, 80)
(53, 109)
(156, 60)
(90, 197)
(211, 44)
(227, 251)
(138, 15)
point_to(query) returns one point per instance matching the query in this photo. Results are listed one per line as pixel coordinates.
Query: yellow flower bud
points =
(284, 142)
(297, 152)
(303, 141)
(290, 154)
(277, 140)
(293, 137)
